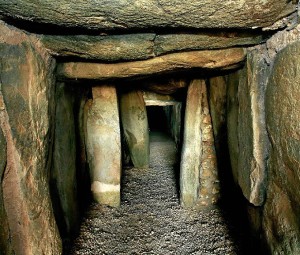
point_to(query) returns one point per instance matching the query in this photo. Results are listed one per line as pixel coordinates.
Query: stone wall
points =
(27, 108)
(263, 123)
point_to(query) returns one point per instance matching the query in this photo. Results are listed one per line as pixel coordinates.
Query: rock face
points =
(128, 47)
(198, 168)
(281, 212)
(63, 174)
(217, 91)
(26, 120)
(147, 14)
(248, 140)
(135, 126)
(5, 245)
(104, 145)
(217, 59)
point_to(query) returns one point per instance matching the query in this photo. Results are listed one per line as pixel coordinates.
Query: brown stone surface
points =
(135, 126)
(217, 91)
(191, 148)
(165, 87)
(142, 45)
(209, 183)
(26, 121)
(63, 174)
(5, 245)
(150, 14)
(198, 167)
(153, 99)
(215, 59)
(103, 143)
(248, 140)
(281, 213)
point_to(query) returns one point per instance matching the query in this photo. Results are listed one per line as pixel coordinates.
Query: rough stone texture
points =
(103, 143)
(165, 87)
(63, 174)
(191, 148)
(281, 212)
(215, 59)
(209, 183)
(174, 115)
(5, 245)
(232, 110)
(155, 99)
(141, 46)
(250, 142)
(103, 48)
(150, 14)
(26, 119)
(217, 91)
(198, 166)
(135, 126)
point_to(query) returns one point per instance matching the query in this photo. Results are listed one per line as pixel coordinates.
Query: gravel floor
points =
(151, 221)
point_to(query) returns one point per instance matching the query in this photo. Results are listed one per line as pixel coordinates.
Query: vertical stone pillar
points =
(63, 175)
(209, 182)
(198, 170)
(135, 126)
(191, 150)
(104, 146)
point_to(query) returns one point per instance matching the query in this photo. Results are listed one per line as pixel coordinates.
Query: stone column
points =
(191, 150)
(63, 175)
(135, 126)
(198, 170)
(104, 146)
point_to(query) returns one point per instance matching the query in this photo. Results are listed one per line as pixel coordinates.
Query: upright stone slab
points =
(104, 146)
(27, 104)
(217, 91)
(135, 126)
(247, 134)
(5, 245)
(281, 211)
(209, 182)
(198, 169)
(191, 150)
(63, 175)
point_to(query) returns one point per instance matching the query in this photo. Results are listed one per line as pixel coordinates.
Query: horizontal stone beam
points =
(214, 59)
(132, 14)
(141, 46)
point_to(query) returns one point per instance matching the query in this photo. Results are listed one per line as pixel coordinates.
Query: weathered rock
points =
(103, 48)
(191, 149)
(281, 212)
(217, 91)
(26, 72)
(63, 174)
(232, 110)
(135, 126)
(198, 168)
(5, 245)
(141, 46)
(165, 87)
(248, 139)
(174, 115)
(203, 41)
(150, 14)
(104, 146)
(154, 99)
(209, 183)
(215, 59)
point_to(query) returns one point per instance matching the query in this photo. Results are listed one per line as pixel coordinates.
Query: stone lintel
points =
(214, 59)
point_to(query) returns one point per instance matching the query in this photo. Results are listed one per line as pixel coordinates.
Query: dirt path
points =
(151, 221)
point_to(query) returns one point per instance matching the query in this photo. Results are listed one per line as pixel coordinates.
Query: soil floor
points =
(151, 220)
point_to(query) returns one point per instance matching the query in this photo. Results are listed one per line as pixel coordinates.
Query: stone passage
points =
(151, 220)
